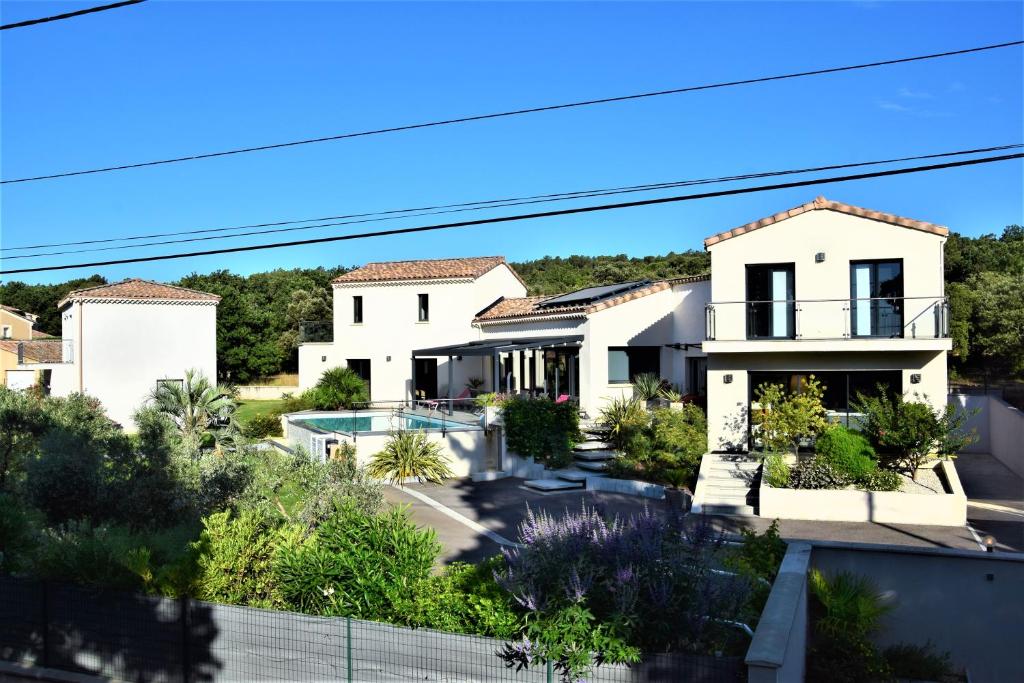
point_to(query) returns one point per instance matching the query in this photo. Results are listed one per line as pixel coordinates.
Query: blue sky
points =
(170, 78)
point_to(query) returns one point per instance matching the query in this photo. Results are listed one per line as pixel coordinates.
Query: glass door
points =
(770, 305)
(876, 298)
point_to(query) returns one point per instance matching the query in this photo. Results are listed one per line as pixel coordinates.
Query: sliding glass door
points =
(770, 305)
(876, 298)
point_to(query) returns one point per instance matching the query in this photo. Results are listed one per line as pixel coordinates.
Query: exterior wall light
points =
(990, 543)
(323, 359)
(388, 359)
(819, 257)
(915, 378)
(727, 379)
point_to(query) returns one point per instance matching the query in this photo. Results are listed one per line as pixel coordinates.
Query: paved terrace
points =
(473, 518)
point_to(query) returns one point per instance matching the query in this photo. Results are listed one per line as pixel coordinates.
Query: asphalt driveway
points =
(995, 499)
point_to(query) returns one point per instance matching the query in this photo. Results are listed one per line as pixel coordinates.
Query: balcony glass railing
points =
(828, 319)
(46, 351)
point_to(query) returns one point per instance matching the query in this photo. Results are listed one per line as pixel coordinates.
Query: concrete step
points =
(593, 445)
(578, 475)
(596, 466)
(746, 478)
(736, 466)
(727, 509)
(593, 456)
(547, 485)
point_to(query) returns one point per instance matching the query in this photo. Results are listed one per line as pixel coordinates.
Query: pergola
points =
(494, 348)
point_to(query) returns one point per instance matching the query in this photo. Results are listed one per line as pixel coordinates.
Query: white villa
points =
(119, 340)
(853, 296)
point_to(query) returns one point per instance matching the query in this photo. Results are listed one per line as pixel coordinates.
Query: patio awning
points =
(489, 347)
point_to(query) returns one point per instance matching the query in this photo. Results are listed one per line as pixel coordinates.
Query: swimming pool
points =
(380, 422)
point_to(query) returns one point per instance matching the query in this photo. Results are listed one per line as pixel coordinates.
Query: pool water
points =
(380, 422)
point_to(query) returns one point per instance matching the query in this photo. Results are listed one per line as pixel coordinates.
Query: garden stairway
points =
(728, 484)
(589, 459)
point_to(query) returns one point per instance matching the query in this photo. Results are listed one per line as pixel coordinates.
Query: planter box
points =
(630, 487)
(891, 507)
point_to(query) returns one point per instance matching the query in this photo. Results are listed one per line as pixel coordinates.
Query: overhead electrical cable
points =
(520, 112)
(396, 214)
(529, 216)
(69, 15)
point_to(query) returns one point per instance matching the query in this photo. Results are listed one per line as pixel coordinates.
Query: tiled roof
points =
(820, 203)
(427, 269)
(21, 313)
(36, 351)
(527, 307)
(139, 289)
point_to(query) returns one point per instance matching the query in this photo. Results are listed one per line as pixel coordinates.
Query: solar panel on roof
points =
(592, 295)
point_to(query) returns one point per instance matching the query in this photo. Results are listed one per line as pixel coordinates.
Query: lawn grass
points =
(250, 409)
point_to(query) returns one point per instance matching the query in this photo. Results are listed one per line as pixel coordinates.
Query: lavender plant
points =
(604, 589)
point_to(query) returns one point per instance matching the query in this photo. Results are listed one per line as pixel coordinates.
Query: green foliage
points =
(410, 454)
(22, 422)
(783, 420)
(556, 275)
(666, 448)
(295, 403)
(487, 400)
(42, 299)
(775, 471)
(817, 473)
(623, 417)
(234, 558)
(465, 599)
(848, 451)
(647, 386)
(880, 480)
(541, 429)
(262, 426)
(355, 564)
(918, 662)
(339, 388)
(760, 554)
(906, 433)
(683, 433)
(202, 411)
(17, 534)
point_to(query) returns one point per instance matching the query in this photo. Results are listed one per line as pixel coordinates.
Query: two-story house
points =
(119, 340)
(853, 296)
(383, 311)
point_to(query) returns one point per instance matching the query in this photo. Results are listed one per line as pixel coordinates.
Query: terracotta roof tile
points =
(820, 203)
(527, 307)
(36, 351)
(139, 289)
(427, 269)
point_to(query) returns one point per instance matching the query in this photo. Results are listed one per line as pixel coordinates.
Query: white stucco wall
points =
(390, 329)
(842, 238)
(122, 348)
(727, 403)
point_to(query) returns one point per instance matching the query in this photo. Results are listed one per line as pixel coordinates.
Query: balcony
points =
(819, 324)
(315, 331)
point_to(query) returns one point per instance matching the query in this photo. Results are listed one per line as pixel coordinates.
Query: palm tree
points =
(340, 388)
(408, 455)
(197, 408)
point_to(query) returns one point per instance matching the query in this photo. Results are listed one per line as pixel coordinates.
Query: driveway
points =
(473, 519)
(995, 499)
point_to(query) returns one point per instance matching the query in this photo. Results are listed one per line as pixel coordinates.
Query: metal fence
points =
(129, 637)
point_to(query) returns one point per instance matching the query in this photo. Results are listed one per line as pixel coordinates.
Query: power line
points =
(466, 206)
(68, 15)
(517, 112)
(529, 216)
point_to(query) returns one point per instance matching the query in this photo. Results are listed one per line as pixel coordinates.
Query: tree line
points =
(259, 314)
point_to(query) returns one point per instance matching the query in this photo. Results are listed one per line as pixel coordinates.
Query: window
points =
(7, 332)
(876, 298)
(357, 310)
(360, 366)
(626, 362)
(424, 307)
(770, 306)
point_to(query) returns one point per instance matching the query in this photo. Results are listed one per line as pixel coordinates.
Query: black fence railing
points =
(130, 637)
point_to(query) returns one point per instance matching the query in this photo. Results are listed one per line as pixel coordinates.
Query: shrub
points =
(355, 564)
(488, 400)
(783, 420)
(905, 433)
(817, 473)
(339, 388)
(22, 421)
(17, 535)
(880, 480)
(647, 386)
(918, 662)
(541, 429)
(775, 471)
(623, 417)
(466, 599)
(849, 452)
(235, 559)
(296, 404)
(262, 426)
(410, 455)
(614, 588)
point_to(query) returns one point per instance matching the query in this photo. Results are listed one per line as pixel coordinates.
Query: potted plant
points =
(490, 403)
(675, 494)
(647, 388)
(674, 398)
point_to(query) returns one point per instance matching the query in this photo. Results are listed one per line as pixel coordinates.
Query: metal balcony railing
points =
(46, 351)
(828, 319)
